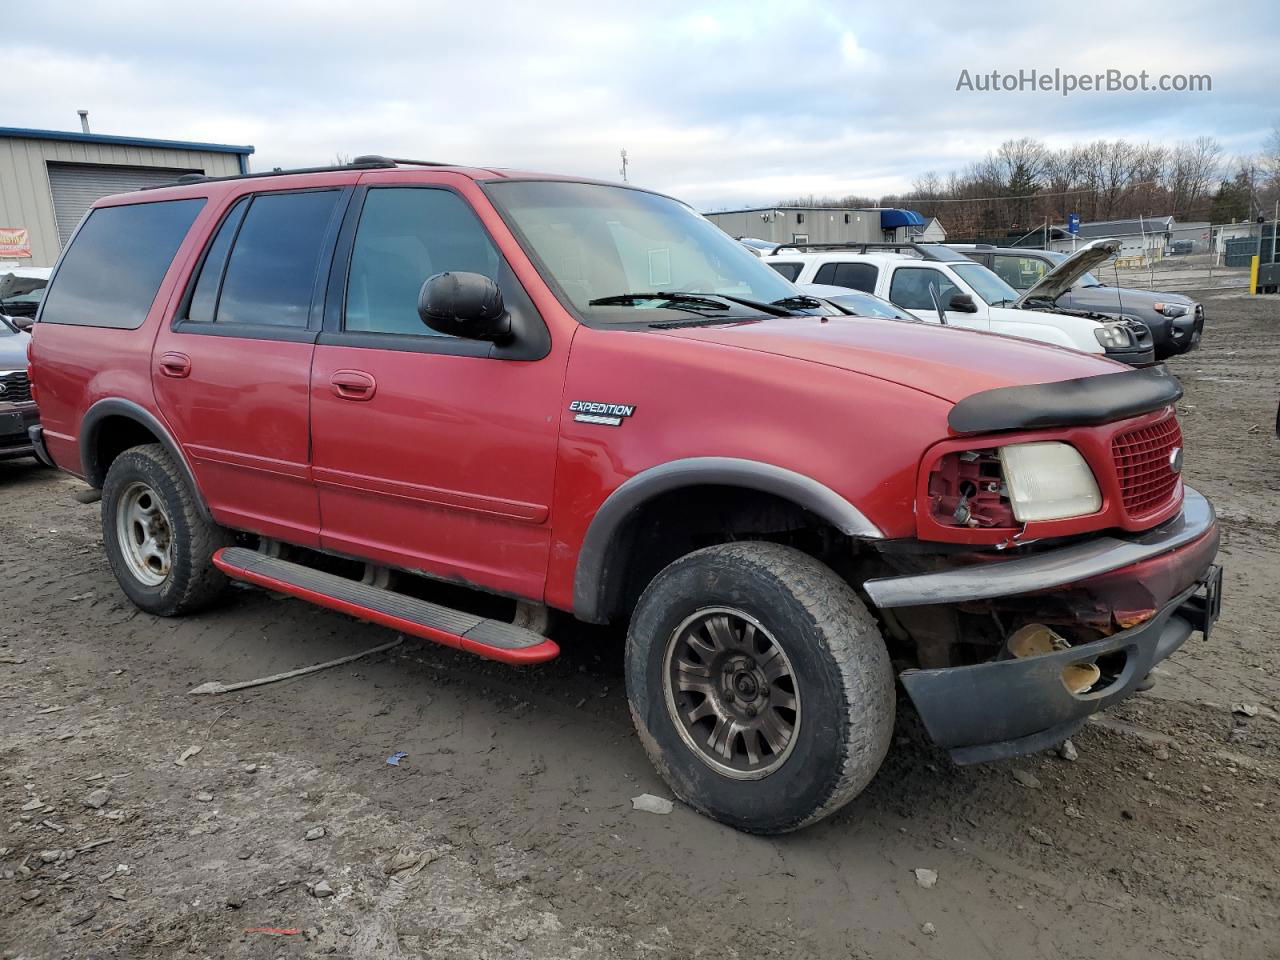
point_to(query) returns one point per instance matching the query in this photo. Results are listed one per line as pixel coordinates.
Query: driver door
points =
(429, 452)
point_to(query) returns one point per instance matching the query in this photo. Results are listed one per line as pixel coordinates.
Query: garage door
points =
(77, 186)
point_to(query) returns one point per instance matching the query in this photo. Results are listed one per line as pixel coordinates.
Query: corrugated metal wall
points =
(819, 225)
(26, 198)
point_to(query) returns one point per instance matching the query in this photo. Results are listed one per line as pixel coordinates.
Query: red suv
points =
(343, 383)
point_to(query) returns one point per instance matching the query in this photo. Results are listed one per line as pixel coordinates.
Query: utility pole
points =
(625, 161)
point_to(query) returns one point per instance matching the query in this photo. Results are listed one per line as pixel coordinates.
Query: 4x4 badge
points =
(604, 414)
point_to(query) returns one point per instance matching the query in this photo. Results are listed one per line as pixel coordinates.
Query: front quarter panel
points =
(857, 435)
(1059, 329)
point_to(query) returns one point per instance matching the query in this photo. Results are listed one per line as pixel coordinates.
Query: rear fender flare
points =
(91, 424)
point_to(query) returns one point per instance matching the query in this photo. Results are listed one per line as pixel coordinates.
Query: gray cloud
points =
(720, 103)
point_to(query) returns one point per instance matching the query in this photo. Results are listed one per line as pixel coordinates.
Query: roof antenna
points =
(625, 162)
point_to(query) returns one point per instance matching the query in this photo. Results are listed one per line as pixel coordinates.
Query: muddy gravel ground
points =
(508, 830)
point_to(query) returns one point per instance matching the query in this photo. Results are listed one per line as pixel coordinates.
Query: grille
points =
(1147, 479)
(14, 388)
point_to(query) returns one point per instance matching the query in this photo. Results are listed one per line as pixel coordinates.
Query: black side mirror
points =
(962, 303)
(467, 305)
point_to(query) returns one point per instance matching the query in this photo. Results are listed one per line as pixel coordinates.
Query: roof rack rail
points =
(393, 161)
(926, 251)
(359, 163)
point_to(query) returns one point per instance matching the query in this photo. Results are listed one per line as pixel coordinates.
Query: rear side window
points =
(112, 271)
(854, 276)
(204, 301)
(788, 270)
(272, 270)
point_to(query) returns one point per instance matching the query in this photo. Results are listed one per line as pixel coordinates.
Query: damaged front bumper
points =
(1003, 708)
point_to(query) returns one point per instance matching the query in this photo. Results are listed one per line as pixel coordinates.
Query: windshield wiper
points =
(802, 300)
(689, 299)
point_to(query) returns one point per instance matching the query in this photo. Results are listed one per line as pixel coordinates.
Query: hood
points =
(13, 349)
(17, 282)
(1061, 278)
(945, 362)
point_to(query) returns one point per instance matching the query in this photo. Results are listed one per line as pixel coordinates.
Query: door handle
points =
(352, 385)
(176, 365)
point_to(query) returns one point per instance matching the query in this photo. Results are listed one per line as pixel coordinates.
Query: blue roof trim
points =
(27, 134)
(889, 219)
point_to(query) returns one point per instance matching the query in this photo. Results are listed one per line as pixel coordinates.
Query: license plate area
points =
(10, 423)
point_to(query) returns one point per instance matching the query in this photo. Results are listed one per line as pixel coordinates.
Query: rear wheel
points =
(159, 544)
(760, 685)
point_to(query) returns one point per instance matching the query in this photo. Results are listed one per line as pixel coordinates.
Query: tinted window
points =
(910, 288)
(788, 270)
(113, 269)
(405, 236)
(854, 276)
(272, 270)
(205, 299)
(1021, 273)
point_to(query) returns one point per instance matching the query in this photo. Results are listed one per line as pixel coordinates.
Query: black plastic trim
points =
(594, 576)
(95, 473)
(1067, 403)
(36, 434)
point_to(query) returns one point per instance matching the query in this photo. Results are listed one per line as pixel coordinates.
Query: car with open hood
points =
(939, 285)
(1175, 320)
(346, 384)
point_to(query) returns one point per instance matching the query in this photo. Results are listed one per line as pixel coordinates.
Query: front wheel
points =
(760, 685)
(158, 543)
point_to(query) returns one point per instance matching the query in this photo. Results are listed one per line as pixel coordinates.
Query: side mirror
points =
(467, 305)
(962, 303)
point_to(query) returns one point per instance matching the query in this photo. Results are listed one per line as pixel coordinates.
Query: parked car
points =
(21, 289)
(856, 302)
(923, 277)
(584, 396)
(1176, 321)
(17, 411)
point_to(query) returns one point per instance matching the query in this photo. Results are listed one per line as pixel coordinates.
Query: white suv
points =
(967, 295)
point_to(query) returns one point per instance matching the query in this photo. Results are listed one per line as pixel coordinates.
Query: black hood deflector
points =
(1067, 403)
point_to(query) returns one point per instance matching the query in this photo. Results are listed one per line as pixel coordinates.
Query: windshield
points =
(602, 243)
(994, 291)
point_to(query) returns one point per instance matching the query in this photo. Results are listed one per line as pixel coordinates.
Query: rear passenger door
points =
(431, 452)
(232, 371)
(852, 276)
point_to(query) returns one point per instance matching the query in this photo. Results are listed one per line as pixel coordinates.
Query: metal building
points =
(820, 224)
(49, 178)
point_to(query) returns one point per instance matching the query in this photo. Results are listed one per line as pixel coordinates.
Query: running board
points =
(493, 639)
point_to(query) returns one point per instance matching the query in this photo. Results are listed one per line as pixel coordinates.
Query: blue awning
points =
(891, 219)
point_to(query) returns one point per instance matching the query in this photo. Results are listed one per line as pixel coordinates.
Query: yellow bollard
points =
(1253, 275)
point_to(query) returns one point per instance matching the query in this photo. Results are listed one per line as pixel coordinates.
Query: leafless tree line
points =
(1022, 184)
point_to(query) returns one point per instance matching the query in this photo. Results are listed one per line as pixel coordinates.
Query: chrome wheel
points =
(731, 692)
(145, 534)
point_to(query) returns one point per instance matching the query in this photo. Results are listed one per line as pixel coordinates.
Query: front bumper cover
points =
(1003, 708)
(991, 711)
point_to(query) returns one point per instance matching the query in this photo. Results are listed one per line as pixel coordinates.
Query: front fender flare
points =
(591, 575)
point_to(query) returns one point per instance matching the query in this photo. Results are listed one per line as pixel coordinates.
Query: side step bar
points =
(492, 639)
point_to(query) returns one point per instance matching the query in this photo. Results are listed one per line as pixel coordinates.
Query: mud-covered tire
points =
(190, 581)
(841, 675)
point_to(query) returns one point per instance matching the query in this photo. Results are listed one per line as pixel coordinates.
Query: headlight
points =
(1114, 336)
(1049, 481)
(1170, 309)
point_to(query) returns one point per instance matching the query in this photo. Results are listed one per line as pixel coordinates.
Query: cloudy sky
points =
(722, 104)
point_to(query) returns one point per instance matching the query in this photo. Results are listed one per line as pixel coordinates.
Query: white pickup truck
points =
(939, 285)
